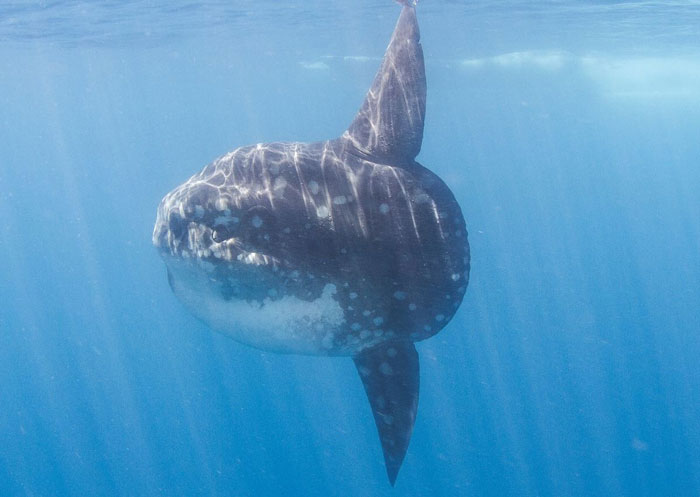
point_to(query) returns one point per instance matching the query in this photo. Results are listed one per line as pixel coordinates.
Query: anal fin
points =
(390, 375)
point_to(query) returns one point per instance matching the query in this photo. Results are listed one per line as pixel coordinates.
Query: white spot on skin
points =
(221, 220)
(455, 276)
(412, 307)
(313, 187)
(355, 326)
(339, 200)
(389, 420)
(421, 198)
(440, 317)
(378, 321)
(352, 295)
(365, 334)
(280, 183)
(427, 328)
(364, 371)
(391, 352)
(366, 313)
(256, 221)
(322, 211)
(198, 211)
(384, 208)
(399, 295)
(386, 369)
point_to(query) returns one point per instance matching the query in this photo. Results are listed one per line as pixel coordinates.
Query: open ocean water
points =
(570, 135)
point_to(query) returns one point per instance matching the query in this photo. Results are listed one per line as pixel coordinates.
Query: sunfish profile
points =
(346, 247)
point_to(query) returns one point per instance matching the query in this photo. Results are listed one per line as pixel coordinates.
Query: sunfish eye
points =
(221, 234)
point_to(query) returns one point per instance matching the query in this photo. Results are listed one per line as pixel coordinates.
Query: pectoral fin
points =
(390, 375)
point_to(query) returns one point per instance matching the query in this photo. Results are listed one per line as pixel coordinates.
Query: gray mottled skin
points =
(365, 248)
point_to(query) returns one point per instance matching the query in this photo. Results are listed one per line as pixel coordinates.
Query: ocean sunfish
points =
(347, 247)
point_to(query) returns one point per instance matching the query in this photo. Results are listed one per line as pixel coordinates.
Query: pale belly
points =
(286, 324)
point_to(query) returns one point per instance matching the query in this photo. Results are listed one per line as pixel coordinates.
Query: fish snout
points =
(178, 212)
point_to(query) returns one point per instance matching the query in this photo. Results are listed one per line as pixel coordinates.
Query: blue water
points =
(568, 132)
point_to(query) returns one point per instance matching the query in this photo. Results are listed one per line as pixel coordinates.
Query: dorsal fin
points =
(389, 125)
(390, 375)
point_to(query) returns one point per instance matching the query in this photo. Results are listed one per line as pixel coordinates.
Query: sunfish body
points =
(346, 247)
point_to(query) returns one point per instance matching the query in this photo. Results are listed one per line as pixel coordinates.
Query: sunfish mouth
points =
(201, 242)
(191, 235)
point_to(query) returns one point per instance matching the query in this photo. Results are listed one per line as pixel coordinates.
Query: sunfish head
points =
(245, 256)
